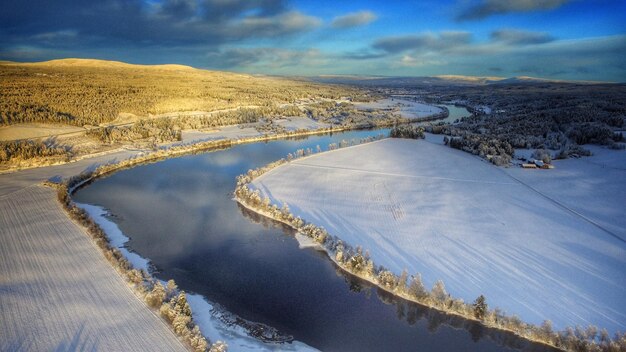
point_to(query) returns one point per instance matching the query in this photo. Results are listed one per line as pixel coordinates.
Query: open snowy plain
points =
(448, 215)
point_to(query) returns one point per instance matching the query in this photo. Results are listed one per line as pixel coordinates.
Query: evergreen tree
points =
(480, 307)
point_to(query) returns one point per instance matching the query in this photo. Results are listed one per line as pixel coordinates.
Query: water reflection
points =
(410, 312)
(179, 213)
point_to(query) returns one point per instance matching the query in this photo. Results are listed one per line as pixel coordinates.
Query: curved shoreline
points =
(79, 180)
(251, 199)
(115, 257)
(376, 284)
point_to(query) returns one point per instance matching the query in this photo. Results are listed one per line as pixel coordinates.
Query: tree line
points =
(29, 149)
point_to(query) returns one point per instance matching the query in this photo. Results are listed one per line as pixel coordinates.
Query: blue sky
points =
(562, 39)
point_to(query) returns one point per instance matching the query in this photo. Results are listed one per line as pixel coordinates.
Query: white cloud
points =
(354, 19)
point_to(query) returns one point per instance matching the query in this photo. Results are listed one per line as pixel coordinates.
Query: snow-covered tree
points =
(416, 288)
(439, 291)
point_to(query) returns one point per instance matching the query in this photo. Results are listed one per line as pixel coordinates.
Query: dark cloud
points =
(484, 8)
(264, 57)
(431, 42)
(519, 37)
(363, 55)
(354, 19)
(139, 23)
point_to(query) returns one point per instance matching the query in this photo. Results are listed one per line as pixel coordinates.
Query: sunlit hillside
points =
(79, 92)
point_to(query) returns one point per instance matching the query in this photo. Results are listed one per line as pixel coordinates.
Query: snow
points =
(228, 132)
(116, 237)
(307, 242)
(299, 123)
(58, 292)
(594, 187)
(235, 337)
(449, 215)
(484, 108)
(407, 108)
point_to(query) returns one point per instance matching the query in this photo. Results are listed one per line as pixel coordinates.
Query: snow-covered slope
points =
(448, 215)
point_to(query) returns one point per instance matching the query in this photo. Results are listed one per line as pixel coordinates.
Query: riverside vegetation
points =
(356, 261)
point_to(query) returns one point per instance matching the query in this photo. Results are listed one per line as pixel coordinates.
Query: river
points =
(179, 213)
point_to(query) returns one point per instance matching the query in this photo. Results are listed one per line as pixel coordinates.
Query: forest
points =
(560, 117)
(91, 92)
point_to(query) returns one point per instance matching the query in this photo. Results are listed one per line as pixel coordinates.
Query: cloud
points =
(519, 37)
(508, 52)
(265, 57)
(277, 25)
(427, 41)
(363, 55)
(588, 59)
(413, 61)
(486, 8)
(354, 19)
(133, 23)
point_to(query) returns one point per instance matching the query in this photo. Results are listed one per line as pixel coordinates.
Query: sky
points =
(558, 39)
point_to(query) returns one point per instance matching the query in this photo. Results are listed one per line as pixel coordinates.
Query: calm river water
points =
(179, 213)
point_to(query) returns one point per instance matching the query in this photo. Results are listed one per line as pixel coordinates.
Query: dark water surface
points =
(455, 112)
(179, 213)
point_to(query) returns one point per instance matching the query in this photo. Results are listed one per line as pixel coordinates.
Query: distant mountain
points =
(440, 80)
(471, 79)
(95, 63)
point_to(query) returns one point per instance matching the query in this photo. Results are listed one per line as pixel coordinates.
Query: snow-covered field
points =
(237, 132)
(449, 215)
(294, 123)
(406, 108)
(35, 130)
(227, 132)
(594, 187)
(58, 292)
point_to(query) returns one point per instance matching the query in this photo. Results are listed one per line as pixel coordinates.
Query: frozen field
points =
(448, 215)
(58, 292)
(406, 108)
(594, 186)
(294, 123)
(226, 132)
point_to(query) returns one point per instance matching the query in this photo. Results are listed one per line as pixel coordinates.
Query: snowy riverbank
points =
(215, 323)
(447, 215)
